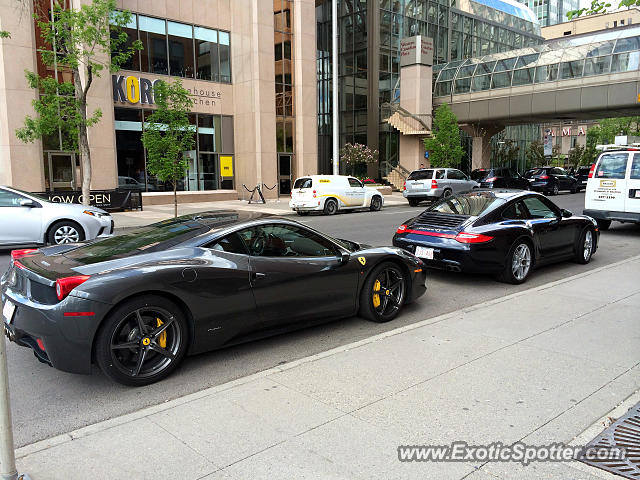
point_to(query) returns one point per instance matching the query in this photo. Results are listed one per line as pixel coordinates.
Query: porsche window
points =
(473, 204)
(538, 209)
(515, 211)
(285, 241)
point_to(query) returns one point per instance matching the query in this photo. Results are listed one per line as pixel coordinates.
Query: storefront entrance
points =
(284, 174)
(62, 172)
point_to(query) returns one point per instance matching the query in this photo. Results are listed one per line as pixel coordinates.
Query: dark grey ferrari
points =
(136, 304)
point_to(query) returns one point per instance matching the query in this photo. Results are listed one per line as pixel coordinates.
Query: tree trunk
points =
(83, 139)
(175, 199)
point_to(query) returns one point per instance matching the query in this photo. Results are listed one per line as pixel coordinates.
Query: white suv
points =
(330, 193)
(613, 188)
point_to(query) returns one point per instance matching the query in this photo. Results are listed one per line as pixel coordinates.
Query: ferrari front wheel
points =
(142, 341)
(383, 293)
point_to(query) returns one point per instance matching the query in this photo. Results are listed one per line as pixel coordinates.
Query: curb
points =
(147, 411)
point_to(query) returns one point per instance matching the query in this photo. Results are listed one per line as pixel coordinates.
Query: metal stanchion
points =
(271, 188)
(8, 469)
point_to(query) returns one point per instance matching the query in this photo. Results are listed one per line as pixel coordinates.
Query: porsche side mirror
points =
(27, 203)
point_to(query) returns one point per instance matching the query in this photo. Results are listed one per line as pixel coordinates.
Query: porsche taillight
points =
(66, 284)
(466, 237)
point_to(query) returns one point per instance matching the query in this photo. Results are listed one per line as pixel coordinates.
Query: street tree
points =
(4, 34)
(600, 6)
(83, 41)
(576, 156)
(168, 135)
(534, 154)
(444, 147)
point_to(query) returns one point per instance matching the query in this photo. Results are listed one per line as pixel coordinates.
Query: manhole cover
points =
(624, 433)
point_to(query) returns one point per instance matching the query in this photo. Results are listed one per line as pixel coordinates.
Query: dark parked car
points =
(499, 178)
(498, 231)
(551, 180)
(138, 302)
(582, 175)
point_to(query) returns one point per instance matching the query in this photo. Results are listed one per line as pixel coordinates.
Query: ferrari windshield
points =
(472, 204)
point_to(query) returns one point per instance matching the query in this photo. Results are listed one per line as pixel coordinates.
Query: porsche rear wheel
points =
(142, 341)
(383, 293)
(518, 263)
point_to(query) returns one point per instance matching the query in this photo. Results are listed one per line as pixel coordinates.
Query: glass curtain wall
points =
(324, 85)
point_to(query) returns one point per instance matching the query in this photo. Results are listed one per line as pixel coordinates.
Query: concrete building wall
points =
(592, 23)
(20, 163)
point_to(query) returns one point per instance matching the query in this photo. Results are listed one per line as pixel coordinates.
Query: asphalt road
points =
(47, 402)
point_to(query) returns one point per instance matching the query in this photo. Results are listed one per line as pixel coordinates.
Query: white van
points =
(330, 193)
(613, 188)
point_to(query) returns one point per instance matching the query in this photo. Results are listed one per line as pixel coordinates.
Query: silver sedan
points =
(27, 219)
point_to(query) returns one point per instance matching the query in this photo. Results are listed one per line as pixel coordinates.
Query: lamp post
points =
(334, 72)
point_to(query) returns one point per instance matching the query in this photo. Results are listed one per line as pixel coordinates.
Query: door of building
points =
(284, 174)
(62, 171)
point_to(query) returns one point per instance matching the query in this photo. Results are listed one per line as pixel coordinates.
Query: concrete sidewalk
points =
(539, 366)
(156, 213)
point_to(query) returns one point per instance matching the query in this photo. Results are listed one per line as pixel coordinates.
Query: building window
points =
(214, 146)
(179, 49)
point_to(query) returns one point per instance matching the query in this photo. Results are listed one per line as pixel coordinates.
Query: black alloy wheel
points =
(376, 204)
(142, 341)
(330, 206)
(383, 293)
(555, 190)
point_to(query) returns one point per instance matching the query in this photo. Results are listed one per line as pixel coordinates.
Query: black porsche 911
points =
(137, 303)
(505, 232)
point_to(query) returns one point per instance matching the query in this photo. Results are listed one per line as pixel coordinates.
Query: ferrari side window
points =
(286, 241)
(231, 244)
(538, 209)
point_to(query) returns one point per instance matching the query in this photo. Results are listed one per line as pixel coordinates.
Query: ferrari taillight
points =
(465, 237)
(16, 254)
(66, 284)
(591, 170)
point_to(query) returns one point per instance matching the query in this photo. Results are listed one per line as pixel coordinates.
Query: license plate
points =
(584, 182)
(416, 185)
(8, 310)
(424, 252)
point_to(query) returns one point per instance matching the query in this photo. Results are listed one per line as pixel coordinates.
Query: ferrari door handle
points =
(257, 275)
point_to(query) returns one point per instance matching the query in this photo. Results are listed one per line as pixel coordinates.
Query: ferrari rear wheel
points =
(142, 341)
(383, 293)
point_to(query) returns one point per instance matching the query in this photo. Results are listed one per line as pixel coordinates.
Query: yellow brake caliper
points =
(162, 338)
(376, 297)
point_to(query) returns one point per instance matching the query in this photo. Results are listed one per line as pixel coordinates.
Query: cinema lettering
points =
(139, 90)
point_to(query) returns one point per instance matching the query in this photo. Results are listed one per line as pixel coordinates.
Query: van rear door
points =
(607, 189)
(302, 190)
(633, 185)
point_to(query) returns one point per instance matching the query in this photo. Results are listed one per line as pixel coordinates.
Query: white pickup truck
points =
(330, 193)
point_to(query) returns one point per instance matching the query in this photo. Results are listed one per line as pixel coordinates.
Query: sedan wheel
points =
(142, 342)
(383, 293)
(65, 232)
(518, 264)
